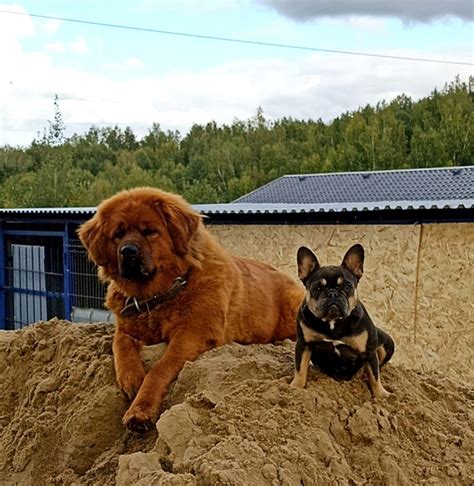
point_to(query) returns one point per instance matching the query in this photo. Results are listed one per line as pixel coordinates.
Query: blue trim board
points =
(3, 262)
(33, 233)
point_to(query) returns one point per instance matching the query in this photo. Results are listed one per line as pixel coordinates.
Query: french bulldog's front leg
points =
(373, 374)
(302, 358)
(129, 368)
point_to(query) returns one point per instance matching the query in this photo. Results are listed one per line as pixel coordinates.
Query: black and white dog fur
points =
(334, 330)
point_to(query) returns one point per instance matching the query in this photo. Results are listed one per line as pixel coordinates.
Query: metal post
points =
(67, 273)
(3, 264)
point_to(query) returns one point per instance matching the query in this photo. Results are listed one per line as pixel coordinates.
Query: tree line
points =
(219, 163)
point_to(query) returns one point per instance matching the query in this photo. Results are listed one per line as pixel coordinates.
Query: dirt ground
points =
(230, 419)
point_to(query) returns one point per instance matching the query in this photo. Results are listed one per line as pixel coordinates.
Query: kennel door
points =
(29, 281)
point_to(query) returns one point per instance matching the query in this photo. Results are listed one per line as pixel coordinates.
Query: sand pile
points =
(231, 419)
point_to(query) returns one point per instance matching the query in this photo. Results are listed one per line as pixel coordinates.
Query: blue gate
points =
(45, 274)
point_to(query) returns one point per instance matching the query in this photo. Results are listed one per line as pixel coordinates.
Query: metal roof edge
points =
(276, 208)
(284, 208)
(386, 171)
(72, 210)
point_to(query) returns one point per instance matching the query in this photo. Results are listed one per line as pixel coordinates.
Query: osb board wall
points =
(445, 307)
(418, 280)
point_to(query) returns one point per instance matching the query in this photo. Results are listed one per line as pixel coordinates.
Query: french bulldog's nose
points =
(333, 294)
(129, 250)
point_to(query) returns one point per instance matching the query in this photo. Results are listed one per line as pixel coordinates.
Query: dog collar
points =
(135, 307)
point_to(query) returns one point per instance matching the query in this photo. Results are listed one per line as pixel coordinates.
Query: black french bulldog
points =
(334, 330)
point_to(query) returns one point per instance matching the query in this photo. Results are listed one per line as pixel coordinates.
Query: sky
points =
(108, 76)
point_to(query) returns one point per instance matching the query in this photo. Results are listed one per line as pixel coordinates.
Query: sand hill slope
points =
(230, 419)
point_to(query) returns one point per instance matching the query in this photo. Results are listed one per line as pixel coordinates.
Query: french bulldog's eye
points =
(316, 288)
(149, 232)
(347, 287)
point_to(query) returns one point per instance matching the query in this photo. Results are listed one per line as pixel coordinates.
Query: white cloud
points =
(79, 46)
(56, 47)
(15, 26)
(366, 23)
(317, 86)
(131, 64)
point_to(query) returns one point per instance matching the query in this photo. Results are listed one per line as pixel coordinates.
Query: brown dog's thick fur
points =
(226, 298)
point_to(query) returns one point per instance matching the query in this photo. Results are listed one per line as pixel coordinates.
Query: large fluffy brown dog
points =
(170, 281)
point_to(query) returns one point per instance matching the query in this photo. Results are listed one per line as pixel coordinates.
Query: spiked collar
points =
(135, 307)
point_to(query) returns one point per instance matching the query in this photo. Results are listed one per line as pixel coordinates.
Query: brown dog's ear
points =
(92, 237)
(354, 260)
(182, 224)
(307, 262)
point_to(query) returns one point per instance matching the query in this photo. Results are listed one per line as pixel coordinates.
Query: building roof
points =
(452, 187)
(402, 195)
(73, 211)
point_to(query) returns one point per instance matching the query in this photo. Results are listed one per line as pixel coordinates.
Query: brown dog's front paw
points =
(139, 419)
(130, 382)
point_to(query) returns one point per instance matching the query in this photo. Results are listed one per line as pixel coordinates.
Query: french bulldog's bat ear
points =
(307, 262)
(354, 260)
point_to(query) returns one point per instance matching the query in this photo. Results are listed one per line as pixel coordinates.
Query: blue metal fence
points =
(45, 274)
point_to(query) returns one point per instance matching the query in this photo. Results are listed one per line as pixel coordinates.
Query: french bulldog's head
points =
(331, 291)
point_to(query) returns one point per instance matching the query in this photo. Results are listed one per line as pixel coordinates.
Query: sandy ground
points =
(230, 419)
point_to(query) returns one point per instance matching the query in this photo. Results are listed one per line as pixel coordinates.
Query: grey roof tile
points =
(455, 183)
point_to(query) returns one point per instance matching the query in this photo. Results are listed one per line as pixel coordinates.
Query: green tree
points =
(219, 163)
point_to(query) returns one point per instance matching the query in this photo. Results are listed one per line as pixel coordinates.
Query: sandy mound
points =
(231, 419)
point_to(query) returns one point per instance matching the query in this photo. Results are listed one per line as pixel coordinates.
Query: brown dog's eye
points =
(347, 287)
(119, 234)
(149, 232)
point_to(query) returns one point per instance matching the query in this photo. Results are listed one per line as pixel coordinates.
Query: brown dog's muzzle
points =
(131, 263)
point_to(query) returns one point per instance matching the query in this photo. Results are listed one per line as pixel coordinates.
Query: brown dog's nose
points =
(129, 250)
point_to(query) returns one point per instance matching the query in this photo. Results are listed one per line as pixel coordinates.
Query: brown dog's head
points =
(140, 238)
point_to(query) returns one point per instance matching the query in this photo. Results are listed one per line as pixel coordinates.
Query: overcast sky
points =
(105, 76)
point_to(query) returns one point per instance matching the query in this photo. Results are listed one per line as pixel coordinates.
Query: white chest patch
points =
(335, 343)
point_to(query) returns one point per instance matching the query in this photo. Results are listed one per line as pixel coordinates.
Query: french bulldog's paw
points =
(381, 393)
(297, 382)
(139, 419)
